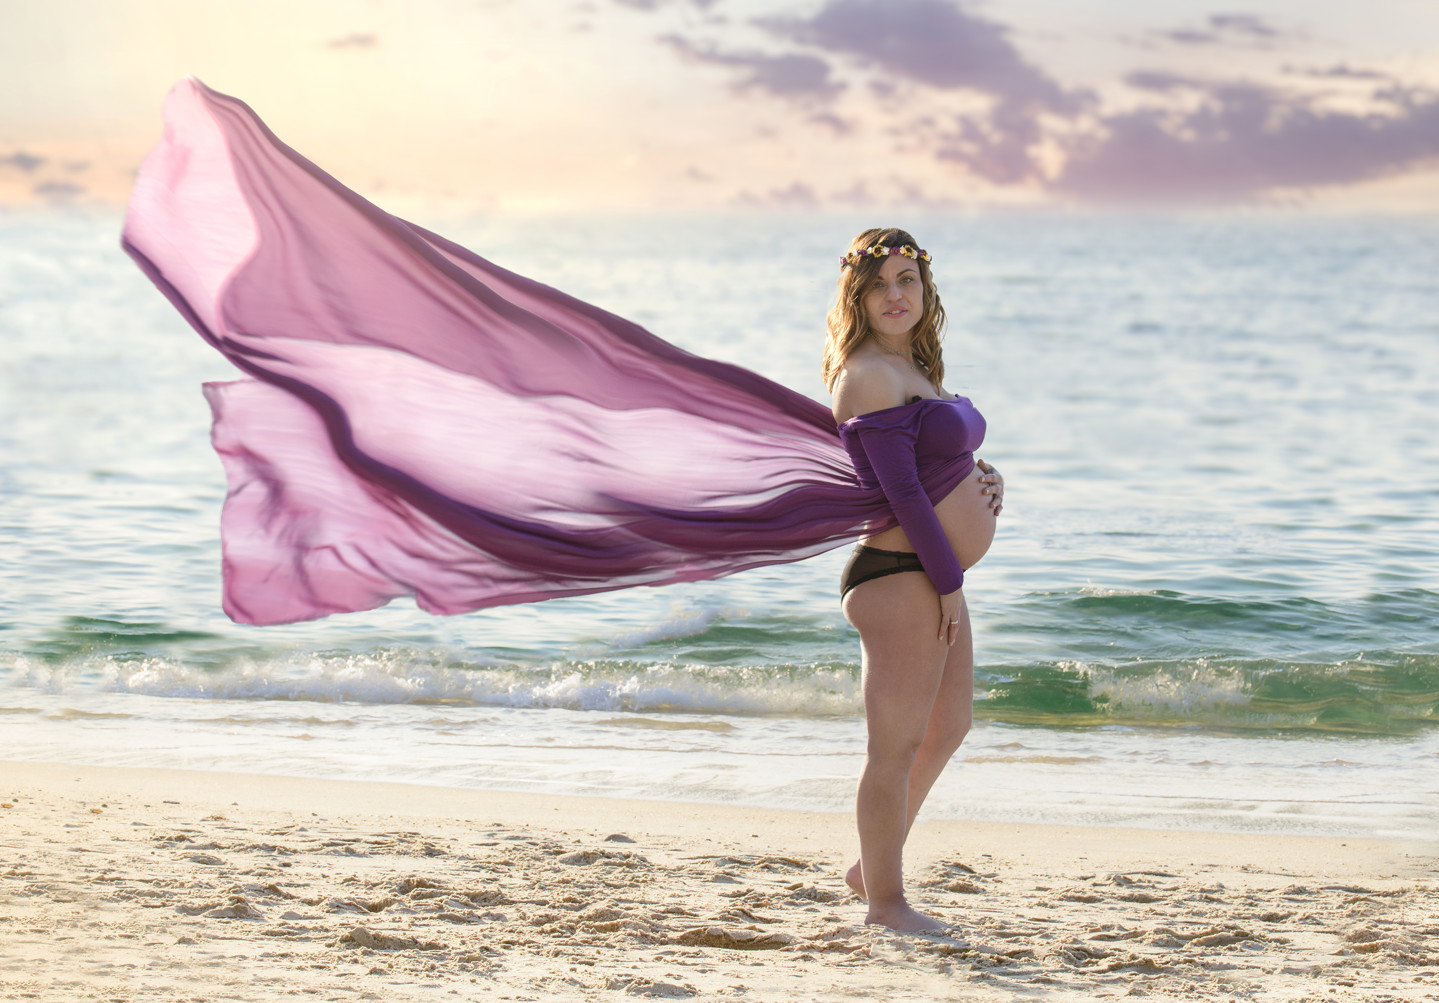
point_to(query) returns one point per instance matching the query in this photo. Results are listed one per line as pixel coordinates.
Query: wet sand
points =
(128, 884)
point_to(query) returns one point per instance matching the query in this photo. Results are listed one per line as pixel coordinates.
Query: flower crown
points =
(881, 251)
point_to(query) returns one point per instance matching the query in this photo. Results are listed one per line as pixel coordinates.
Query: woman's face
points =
(894, 302)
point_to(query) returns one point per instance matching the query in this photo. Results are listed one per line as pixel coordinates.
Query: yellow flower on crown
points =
(853, 258)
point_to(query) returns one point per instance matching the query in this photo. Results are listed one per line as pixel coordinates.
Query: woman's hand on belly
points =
(994, 485)
(968, 518)
(967, 514)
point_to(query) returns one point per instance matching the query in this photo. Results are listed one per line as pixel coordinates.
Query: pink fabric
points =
(417, 421)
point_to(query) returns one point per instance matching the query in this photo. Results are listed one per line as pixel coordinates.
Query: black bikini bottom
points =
(867, 563)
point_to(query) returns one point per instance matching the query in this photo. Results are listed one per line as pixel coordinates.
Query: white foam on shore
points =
(1182, 779)
(398, 677)
(1179, 688)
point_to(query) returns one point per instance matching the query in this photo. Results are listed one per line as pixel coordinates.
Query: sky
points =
(574, 105)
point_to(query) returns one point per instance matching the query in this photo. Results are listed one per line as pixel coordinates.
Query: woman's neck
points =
(905, 349)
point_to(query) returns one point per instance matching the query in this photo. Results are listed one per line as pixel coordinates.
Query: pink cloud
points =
(840, 126)
(894, 190)
(354, 40)
(796, 196)
(1340, 71)
(932, 42)
(1226, 30)
(1208, 140)
(58, 191)
(789, 75)
(1244, 140)
(936, 43)
(21, 160)
(998, 147)
(657, 4)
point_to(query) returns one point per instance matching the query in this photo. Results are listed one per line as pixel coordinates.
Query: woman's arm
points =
(890, 449)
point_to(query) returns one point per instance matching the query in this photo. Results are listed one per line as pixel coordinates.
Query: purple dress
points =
(417, 421)
(911, 452)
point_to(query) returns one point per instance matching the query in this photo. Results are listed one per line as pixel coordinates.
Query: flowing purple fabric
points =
(417, 421)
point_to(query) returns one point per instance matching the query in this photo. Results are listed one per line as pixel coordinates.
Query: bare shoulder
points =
(866, 383)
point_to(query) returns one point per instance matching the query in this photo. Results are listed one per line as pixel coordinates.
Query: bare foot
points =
(904, 918)
(854, 877)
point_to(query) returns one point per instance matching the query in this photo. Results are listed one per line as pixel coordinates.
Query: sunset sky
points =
(711, 104)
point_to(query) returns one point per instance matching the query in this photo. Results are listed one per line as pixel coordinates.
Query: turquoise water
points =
(1212, 603)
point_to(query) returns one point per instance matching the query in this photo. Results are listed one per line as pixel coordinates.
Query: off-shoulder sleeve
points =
(888, 438)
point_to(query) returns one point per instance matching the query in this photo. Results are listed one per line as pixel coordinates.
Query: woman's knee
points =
(894, 751)
(945, 738)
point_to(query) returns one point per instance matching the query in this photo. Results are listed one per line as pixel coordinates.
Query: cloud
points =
(891, 191)
(26, 162)
(657, 4)
(999, 146)
(931, 42)
(797, 196)
(1340, 71)
(939, 45)
(354, 40)
(1188, 36)
(790, 75)
(841, 126)
(1196, 138)
(1406, 98)
(58, 191)
(1245, 25)
(1226, 29)
(1244, 140)
(875, 193)
(999, 149)
(1163, 81)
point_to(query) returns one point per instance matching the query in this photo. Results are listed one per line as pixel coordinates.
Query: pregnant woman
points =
(414, 420)
(902, 588)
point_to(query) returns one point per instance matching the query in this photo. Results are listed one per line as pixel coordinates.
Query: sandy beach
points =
(124, 884)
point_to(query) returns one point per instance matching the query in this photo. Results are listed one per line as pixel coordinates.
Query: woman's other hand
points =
(949, 607)
(993, 485)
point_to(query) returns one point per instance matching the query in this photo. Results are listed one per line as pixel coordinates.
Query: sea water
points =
(1213, 601)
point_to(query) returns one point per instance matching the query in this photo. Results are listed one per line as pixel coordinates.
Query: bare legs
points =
(918, 697)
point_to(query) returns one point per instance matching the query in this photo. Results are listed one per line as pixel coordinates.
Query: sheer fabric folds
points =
(417, 421)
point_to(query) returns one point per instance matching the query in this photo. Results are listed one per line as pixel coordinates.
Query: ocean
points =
(1212, 604)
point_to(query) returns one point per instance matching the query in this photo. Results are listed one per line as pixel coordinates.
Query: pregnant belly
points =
(966, 517)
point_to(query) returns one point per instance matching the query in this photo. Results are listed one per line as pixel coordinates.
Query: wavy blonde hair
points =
(848, 326)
